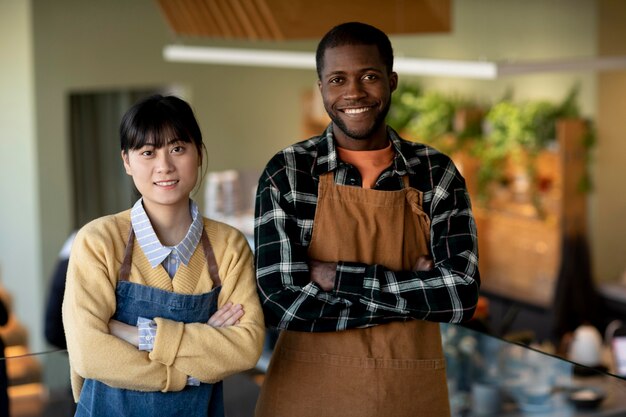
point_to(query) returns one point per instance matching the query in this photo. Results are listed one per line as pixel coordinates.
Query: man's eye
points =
(335, 80)
(370, 77)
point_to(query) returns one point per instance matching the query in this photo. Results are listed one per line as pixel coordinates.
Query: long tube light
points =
(410, 66)
(245, 57)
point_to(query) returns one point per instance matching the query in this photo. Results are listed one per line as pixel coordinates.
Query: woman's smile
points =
(166, 184)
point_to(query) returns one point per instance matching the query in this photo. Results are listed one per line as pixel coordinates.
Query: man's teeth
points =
(356, 111)
(166, 183)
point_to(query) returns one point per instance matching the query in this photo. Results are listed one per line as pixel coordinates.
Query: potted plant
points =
(515, 135)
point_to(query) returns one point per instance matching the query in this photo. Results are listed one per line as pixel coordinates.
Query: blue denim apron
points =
(134, 300)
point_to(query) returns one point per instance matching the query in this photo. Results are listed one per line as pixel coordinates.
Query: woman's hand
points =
(124, 331)
(228, 315)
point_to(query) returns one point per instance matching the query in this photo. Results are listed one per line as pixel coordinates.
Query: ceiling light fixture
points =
(402, 65)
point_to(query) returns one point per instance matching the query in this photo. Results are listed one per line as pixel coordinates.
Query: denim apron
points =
(394, 369)
(134, 300)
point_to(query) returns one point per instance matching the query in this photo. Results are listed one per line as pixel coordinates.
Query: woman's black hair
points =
(157, 119)
(355, 33)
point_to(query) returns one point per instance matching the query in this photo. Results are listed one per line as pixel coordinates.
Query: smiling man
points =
(364, 241)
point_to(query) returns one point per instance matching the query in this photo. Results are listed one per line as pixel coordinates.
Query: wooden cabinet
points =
(522, 232)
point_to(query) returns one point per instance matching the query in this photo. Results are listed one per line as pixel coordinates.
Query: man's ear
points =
(393, 81)
(319, 85)
(126, 163)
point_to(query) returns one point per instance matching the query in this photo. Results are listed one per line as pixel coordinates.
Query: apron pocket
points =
(325, 385)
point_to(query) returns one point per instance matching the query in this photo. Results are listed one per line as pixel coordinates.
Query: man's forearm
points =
(324, 273)
(447, 293)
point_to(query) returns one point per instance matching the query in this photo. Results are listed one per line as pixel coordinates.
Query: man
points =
(363, 242)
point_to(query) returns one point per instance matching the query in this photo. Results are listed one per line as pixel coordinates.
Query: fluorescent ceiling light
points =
(607, 63)
(234, 56)
(445, 68)
(411, 66)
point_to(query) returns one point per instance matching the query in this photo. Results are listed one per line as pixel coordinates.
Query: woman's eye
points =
(146, 153)
(178, 149)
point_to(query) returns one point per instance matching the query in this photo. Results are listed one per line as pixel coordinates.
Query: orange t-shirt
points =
(369, 163)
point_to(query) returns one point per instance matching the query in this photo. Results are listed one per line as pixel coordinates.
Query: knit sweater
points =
(180, 350)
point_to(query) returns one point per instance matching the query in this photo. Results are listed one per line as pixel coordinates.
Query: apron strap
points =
(128, 254)
(209, 255)
(405, 181)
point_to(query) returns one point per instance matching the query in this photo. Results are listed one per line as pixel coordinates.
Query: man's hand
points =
(424, 263)
(227, 315)
(124, 331)
(323, 273)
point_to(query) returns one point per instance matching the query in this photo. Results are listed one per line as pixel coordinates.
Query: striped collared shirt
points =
(168, 256)
(364, 295)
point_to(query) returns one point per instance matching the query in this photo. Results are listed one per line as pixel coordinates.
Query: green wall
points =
(20, 250)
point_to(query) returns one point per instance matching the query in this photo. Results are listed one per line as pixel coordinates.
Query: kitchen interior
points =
(526, 97)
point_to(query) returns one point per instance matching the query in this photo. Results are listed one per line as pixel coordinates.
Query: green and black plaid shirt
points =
(364, 295)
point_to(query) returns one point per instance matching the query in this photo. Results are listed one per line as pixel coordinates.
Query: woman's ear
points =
(126, 163)
(201, 152)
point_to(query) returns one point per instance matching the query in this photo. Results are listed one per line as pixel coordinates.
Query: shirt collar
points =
(328, 160)
(154, 250)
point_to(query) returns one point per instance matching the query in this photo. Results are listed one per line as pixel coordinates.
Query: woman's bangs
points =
(157, 136)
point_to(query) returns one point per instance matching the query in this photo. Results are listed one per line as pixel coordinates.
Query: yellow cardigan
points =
(196, 349)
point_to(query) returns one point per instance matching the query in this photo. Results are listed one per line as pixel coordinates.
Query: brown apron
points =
(394, 369)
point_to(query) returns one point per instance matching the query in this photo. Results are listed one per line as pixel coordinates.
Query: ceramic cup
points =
(586, 346)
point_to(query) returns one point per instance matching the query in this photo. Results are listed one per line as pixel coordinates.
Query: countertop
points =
(486, 373)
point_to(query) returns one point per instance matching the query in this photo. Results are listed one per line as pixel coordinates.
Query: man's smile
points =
(356, 110)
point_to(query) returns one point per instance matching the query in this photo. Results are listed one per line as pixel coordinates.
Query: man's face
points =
(356, 90)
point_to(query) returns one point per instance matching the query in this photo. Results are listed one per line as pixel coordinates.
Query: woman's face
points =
(164, 176)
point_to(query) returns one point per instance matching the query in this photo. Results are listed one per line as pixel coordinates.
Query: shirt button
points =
(172, 261)
(352, 181)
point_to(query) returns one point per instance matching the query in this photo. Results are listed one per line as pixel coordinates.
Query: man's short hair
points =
(355, 33)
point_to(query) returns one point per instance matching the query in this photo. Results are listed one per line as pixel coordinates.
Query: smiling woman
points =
(160, 303)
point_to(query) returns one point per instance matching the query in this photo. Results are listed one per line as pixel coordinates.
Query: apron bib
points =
(134, 300)
(395, 369)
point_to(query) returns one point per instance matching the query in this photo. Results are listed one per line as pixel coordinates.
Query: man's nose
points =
(354, 90)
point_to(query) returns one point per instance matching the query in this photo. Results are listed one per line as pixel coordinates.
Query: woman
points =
(155, 296)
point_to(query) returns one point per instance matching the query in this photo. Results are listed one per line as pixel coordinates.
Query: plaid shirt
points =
(364, 295)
